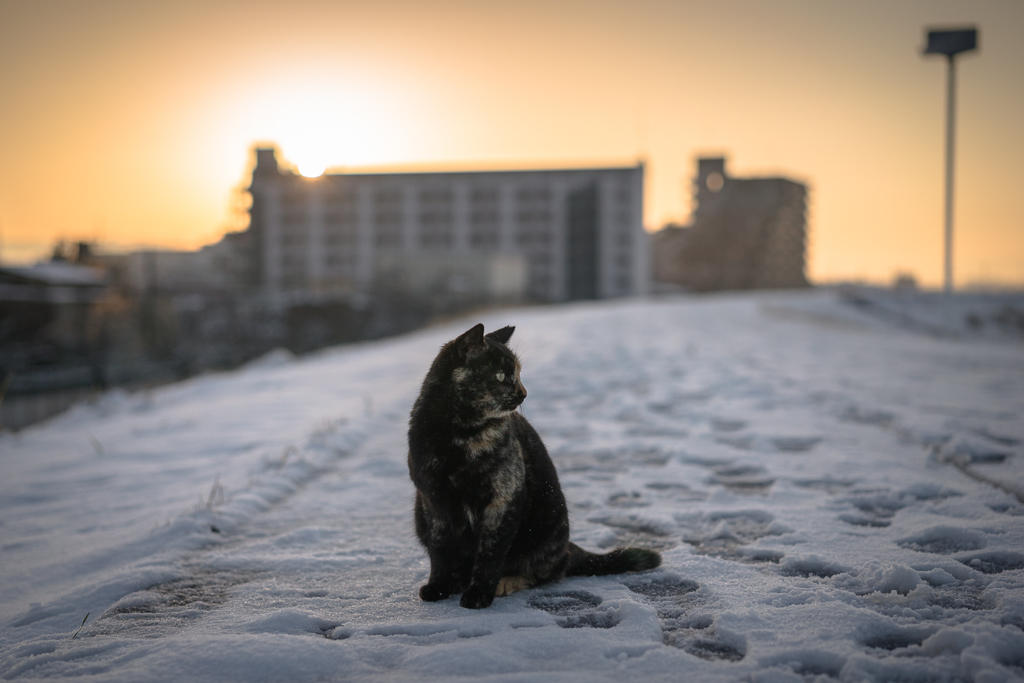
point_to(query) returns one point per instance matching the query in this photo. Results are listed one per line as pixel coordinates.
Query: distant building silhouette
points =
(745, 233)
(219, 267)
(47, 324)
(545, 235)
(49, 299)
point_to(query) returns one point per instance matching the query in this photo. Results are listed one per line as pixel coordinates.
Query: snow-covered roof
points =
(59, 273)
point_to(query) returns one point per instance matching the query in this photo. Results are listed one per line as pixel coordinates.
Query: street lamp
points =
(950, 43)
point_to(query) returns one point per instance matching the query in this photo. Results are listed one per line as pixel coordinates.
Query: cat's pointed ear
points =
(502, 336)
(469, 339)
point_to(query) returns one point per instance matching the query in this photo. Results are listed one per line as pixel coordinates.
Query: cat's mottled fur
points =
(489, 509)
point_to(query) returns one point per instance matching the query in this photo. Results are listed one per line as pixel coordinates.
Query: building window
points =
(484, 218)
(341, 224)
(339, 261)
(435, 213)
(341, 197)
(533, 216)
(387, 214)
(293, 217)
(294, 269)
(293, 198)
(296, 237)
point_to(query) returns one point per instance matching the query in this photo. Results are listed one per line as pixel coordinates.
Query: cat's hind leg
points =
(508, 585)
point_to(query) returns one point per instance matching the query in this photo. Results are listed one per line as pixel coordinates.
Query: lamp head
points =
(951, 41)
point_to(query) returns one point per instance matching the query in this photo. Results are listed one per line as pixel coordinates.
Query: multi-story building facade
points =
(571, 233)
(745, 233)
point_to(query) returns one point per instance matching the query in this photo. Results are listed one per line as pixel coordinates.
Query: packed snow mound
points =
(834, 494)
(997, 316)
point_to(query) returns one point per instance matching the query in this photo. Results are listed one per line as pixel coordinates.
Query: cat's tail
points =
(584, 563)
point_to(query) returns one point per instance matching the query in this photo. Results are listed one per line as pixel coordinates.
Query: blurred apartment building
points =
(745, 233)
(538, 235)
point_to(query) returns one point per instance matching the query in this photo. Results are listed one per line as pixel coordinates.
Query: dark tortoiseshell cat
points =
(489, 509)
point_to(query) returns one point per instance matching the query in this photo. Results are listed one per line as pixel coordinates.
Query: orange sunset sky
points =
(132, 123)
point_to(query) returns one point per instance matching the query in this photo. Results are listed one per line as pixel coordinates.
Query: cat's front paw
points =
(432, 592)
(477, 597)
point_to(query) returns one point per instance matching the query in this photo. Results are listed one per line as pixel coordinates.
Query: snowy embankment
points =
(814, 475)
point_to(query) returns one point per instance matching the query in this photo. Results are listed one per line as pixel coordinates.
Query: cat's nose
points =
(522, 390)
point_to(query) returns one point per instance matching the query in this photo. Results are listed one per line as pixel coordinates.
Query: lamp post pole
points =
(950, 153)
(950, 43)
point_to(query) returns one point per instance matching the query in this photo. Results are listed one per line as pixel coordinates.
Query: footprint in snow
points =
(727, 534)
(634, 530)
(683, 625)
(994, 562)
(808, 567)
(877, 508)
(720, 425)
(748, 479)
(826, 484)
(574, 609)
(898, 638)
(943, 540)
(795, 444)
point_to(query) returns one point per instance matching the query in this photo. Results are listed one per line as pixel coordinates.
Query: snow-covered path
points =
(789, 455)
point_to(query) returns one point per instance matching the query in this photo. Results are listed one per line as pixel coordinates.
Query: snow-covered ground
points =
(814, 474)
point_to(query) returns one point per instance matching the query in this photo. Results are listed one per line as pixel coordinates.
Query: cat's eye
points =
(500, 376)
